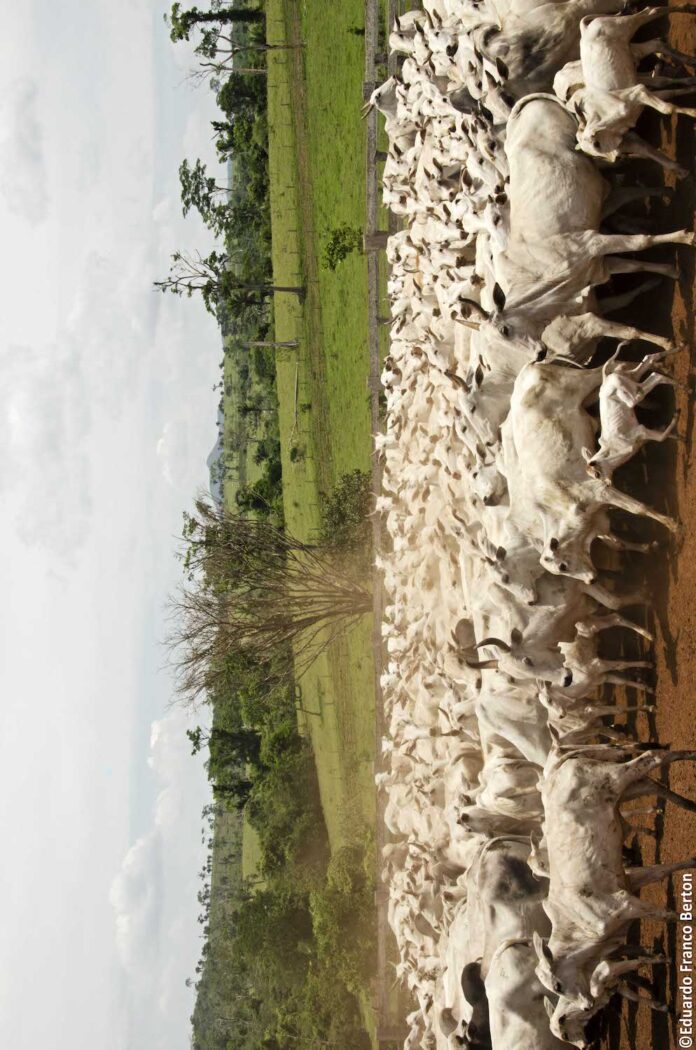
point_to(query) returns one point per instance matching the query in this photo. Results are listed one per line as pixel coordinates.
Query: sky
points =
(107, 414)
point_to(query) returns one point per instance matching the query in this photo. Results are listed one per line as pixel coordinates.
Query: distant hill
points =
(215, 461)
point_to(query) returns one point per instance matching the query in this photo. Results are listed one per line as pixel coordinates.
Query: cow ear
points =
(515, 636)
(499, 297)
(548, 1006)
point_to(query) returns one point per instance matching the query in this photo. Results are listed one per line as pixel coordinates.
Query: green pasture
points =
(317, 163)
(240, 433)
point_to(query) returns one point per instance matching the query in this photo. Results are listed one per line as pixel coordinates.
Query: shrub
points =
(343, 918)
(342, 241)
(346, 513)
(284, 804)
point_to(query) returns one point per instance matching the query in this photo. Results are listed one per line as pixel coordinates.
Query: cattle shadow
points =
(652, 476)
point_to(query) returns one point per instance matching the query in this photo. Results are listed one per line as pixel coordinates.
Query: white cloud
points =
(157, 938)
(134, 896)
(173, 451)
(44, 421)
(22, 166)
(93, 363)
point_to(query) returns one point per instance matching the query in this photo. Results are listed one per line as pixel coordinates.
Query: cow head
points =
(568, 1020)
(505, 327)
(568, 557)
(574, 1005)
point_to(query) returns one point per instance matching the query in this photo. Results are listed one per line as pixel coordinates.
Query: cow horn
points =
(469, 324)
(493, 641)
(541, 946)
(482, 665)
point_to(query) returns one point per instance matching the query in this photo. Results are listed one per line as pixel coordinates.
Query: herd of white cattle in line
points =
(509, 895)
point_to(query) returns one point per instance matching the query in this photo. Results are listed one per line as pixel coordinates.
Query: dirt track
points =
(666, 477)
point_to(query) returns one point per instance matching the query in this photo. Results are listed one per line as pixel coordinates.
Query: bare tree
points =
(256, 590)
(219, 55)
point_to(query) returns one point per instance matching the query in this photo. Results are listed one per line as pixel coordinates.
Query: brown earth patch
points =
(664, 477)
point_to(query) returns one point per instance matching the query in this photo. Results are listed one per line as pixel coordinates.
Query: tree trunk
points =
(291, 344)
(226, 17)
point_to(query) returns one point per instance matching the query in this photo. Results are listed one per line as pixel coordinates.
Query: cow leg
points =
(615, 264)
(628, 683)
(615, 498)
(659, 83)
(626, 26)
(663, 49)
(619, 544)
(634, 146)
(600, 327)
(638, 768)
(675, 93)
(628, 194)
(621, 709)
(613, 601)
(653, 787)
(655, 380)
(628, 993)
(641, 94)
(651, 360)
(659, 435)
(608, 972)
(637, 829)
(593, 624)
(622, 665)
(639, 877)
(618, 302)
(609, 243)
(643, 810)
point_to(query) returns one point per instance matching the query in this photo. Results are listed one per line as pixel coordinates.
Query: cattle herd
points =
(512, 397)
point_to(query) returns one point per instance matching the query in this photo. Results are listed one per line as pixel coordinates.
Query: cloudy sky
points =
(106, 417)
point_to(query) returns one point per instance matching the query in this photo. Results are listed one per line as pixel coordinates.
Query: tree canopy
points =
(182, 21)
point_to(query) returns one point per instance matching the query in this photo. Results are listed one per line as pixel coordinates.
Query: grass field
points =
(317, 183)
(239, 433)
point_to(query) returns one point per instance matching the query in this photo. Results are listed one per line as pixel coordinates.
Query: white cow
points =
(552, 498)
(591, 898)
(611, 99)
(532, 41)
(517, 1000)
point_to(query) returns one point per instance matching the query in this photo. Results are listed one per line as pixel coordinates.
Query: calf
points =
(621, 435)
(611, 99)
(533, 40)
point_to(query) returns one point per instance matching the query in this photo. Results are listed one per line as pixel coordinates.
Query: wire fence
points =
(389, 1008)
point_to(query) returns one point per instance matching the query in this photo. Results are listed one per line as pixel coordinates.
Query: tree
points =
(220, 288)
(227, 746)
(255, 589)
(200, 191)
(182, 22)
(218, 52)
(240, 94)
(237, 793)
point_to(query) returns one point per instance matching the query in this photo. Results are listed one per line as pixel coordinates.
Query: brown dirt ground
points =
(664, 476)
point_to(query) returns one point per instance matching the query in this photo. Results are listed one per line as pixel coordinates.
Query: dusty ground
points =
(666, 477)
